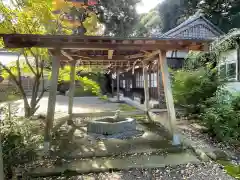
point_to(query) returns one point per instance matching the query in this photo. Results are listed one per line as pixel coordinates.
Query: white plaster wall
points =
(233, 86)
(176, 54)
(230, 56)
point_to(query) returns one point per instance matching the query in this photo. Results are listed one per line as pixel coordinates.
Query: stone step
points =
(120, 163)
(118, 150)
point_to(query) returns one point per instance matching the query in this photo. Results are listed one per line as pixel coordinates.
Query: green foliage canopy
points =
(149, 24)
(191, 88)
(85, 82)
(118, 16)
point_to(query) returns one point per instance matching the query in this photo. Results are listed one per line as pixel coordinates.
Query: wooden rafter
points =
(67, 55)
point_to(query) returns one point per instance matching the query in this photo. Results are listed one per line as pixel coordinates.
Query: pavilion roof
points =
(92, 50)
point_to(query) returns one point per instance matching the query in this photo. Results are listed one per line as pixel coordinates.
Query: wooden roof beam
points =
(64, 53)
(117, 47)
(101, 43)
(107, 61)
(104, 58)
(151, 55)
(134, 56)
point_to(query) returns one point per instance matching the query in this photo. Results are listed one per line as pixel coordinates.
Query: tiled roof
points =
(196, 27)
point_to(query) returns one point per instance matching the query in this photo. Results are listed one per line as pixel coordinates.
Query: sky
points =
(146, 5)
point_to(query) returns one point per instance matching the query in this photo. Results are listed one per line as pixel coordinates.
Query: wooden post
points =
(51, 100)
(71, 92)
(168, 96)
(158, 82)
(118, 84)
(150, 83)
(146, 88)
(112, 86)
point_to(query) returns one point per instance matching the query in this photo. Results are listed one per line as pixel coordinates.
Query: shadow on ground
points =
(71, 142)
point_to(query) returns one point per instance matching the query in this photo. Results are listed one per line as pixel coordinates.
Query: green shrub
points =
(19, 143)
(236, 102)
(103, 97)
(196, 60)
(80, 92)
(192, 87)
(126, 107)
(221, 116)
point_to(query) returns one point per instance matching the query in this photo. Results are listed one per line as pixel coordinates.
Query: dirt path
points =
(81, 105)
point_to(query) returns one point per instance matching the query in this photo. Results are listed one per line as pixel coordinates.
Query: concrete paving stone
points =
(122, 163)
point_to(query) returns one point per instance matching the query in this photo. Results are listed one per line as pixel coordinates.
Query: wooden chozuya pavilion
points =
(116, 54)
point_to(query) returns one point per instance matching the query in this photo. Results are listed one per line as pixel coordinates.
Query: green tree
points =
(82, 17)
(108, 17)
(149, 24)
(29, 17)
(224, 14)
(172, 13)
(118, 16)
(162, 18)
(34, 17)
(16, 71)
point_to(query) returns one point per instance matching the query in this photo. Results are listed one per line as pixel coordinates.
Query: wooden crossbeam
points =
(134, 56)
(151, 55)
(64, 53)
(98, 58)
(104, 60)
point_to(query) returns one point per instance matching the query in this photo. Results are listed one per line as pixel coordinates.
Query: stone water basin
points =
(111, 126)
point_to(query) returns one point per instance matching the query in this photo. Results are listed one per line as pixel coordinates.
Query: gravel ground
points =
(203, 171)
(202, 140)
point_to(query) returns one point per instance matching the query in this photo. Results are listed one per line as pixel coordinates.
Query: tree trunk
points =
(27, 113)
(34, 98)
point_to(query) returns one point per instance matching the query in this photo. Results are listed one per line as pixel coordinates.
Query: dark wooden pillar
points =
(118, 86)
(158, 82)
(150, 83)
(112, 86)
(146, 88)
